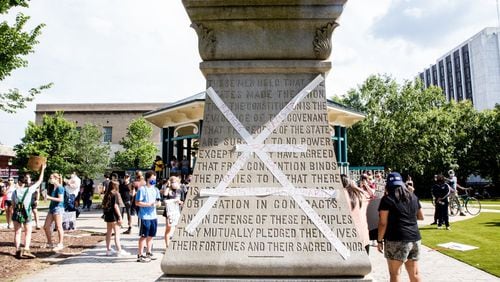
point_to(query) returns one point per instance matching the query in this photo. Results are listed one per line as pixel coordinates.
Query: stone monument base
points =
(259, 279)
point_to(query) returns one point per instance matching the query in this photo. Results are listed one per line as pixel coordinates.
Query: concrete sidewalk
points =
(94, 265)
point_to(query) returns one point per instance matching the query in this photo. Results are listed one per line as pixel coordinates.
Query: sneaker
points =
(18, 254)
(48, 246)
(141, 258)
(440, 227)
(151, 256)
(110, 252)
(448, 228)
(122, 253)
(27, 254)
(434, 223)
(129, 230)
(462, 214)
(58, 247)
(38, 228)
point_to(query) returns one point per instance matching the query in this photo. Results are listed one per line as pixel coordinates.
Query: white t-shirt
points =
(74, 184)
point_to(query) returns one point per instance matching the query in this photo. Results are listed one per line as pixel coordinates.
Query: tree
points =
(14, 44)
(93, 156)
(54, 138)
(139, 151)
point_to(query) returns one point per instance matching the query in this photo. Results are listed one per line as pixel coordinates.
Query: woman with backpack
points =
(21, 201)
(56, 211)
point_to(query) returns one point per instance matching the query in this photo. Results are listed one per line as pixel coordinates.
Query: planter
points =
(35, 162)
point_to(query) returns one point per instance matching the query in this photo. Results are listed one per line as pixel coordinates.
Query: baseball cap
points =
(394, 179)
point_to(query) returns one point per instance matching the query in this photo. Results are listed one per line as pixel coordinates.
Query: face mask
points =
(152, 182)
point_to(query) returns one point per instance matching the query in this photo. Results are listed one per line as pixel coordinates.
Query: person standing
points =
(11, 187)
(147, 199)
(453, 190)
(126, 191)
(21, 200)
(398, 234)
(173, 194)
(358, 200)
(56, 211)
(441, 191)
(112, 217)
(34, 201)
(88, 192)
(158, 166)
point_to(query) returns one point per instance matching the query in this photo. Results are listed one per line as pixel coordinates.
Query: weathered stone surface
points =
(246, 30)
(261, 200)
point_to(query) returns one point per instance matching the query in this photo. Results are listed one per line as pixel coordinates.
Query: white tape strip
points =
(271, 148)
(270, 191)
(255, 146)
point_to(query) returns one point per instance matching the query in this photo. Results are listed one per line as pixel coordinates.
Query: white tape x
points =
(256, 145)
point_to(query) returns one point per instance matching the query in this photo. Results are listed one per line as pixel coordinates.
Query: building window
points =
(449, 76)
(458, 75)
(442, 80)
(434, 75)
(427, 78)
(467, 74)
(107, 134)
(421, 76)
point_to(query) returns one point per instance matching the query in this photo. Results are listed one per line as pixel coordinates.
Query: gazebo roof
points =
(191, 109)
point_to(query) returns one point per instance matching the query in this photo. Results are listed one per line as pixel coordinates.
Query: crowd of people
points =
(385, 211)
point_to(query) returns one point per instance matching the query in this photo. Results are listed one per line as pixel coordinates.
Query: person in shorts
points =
(21, 201)
(398, 234)
(147, 199)
(56, 211)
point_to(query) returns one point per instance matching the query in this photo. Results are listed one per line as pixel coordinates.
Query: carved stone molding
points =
(322, 41)
(206, 41)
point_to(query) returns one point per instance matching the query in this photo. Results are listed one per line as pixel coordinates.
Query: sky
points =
(124, 51)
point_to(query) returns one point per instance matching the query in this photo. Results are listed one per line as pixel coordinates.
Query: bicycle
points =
(471, 204)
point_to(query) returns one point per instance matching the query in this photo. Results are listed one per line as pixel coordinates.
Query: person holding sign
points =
(173, 200)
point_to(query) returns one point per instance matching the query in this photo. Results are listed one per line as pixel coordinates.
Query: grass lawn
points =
(2, 218)
(482, 231)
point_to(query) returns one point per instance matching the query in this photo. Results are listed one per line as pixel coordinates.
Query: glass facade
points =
(442, 80)
(449, 78)
(458, 75)
(434, 75)
(467, 72)
(427, 78)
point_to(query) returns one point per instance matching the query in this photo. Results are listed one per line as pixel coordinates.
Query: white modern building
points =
(470, 71)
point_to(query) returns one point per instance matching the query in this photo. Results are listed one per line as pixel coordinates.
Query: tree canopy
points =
(15, 44)
(66, 148)
(415, 131)
(139, 151)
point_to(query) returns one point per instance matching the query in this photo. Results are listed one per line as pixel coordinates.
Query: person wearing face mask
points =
(147, 199)
(173, 195)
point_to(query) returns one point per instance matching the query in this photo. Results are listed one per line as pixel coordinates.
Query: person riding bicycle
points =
(452, 181)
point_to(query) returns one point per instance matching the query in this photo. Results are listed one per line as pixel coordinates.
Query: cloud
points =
(430, 22)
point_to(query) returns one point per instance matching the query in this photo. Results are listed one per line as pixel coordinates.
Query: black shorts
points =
(8, 203)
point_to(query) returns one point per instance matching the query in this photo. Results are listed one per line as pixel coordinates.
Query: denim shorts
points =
(402, 251)
(57, 210)
(148, 227)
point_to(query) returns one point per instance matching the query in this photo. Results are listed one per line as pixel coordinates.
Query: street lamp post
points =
(9, 163)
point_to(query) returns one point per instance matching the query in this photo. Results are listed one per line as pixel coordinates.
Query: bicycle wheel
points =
(473, 206)
(454, 207)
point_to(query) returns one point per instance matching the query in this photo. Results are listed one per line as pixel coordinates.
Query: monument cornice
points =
(264, 30)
